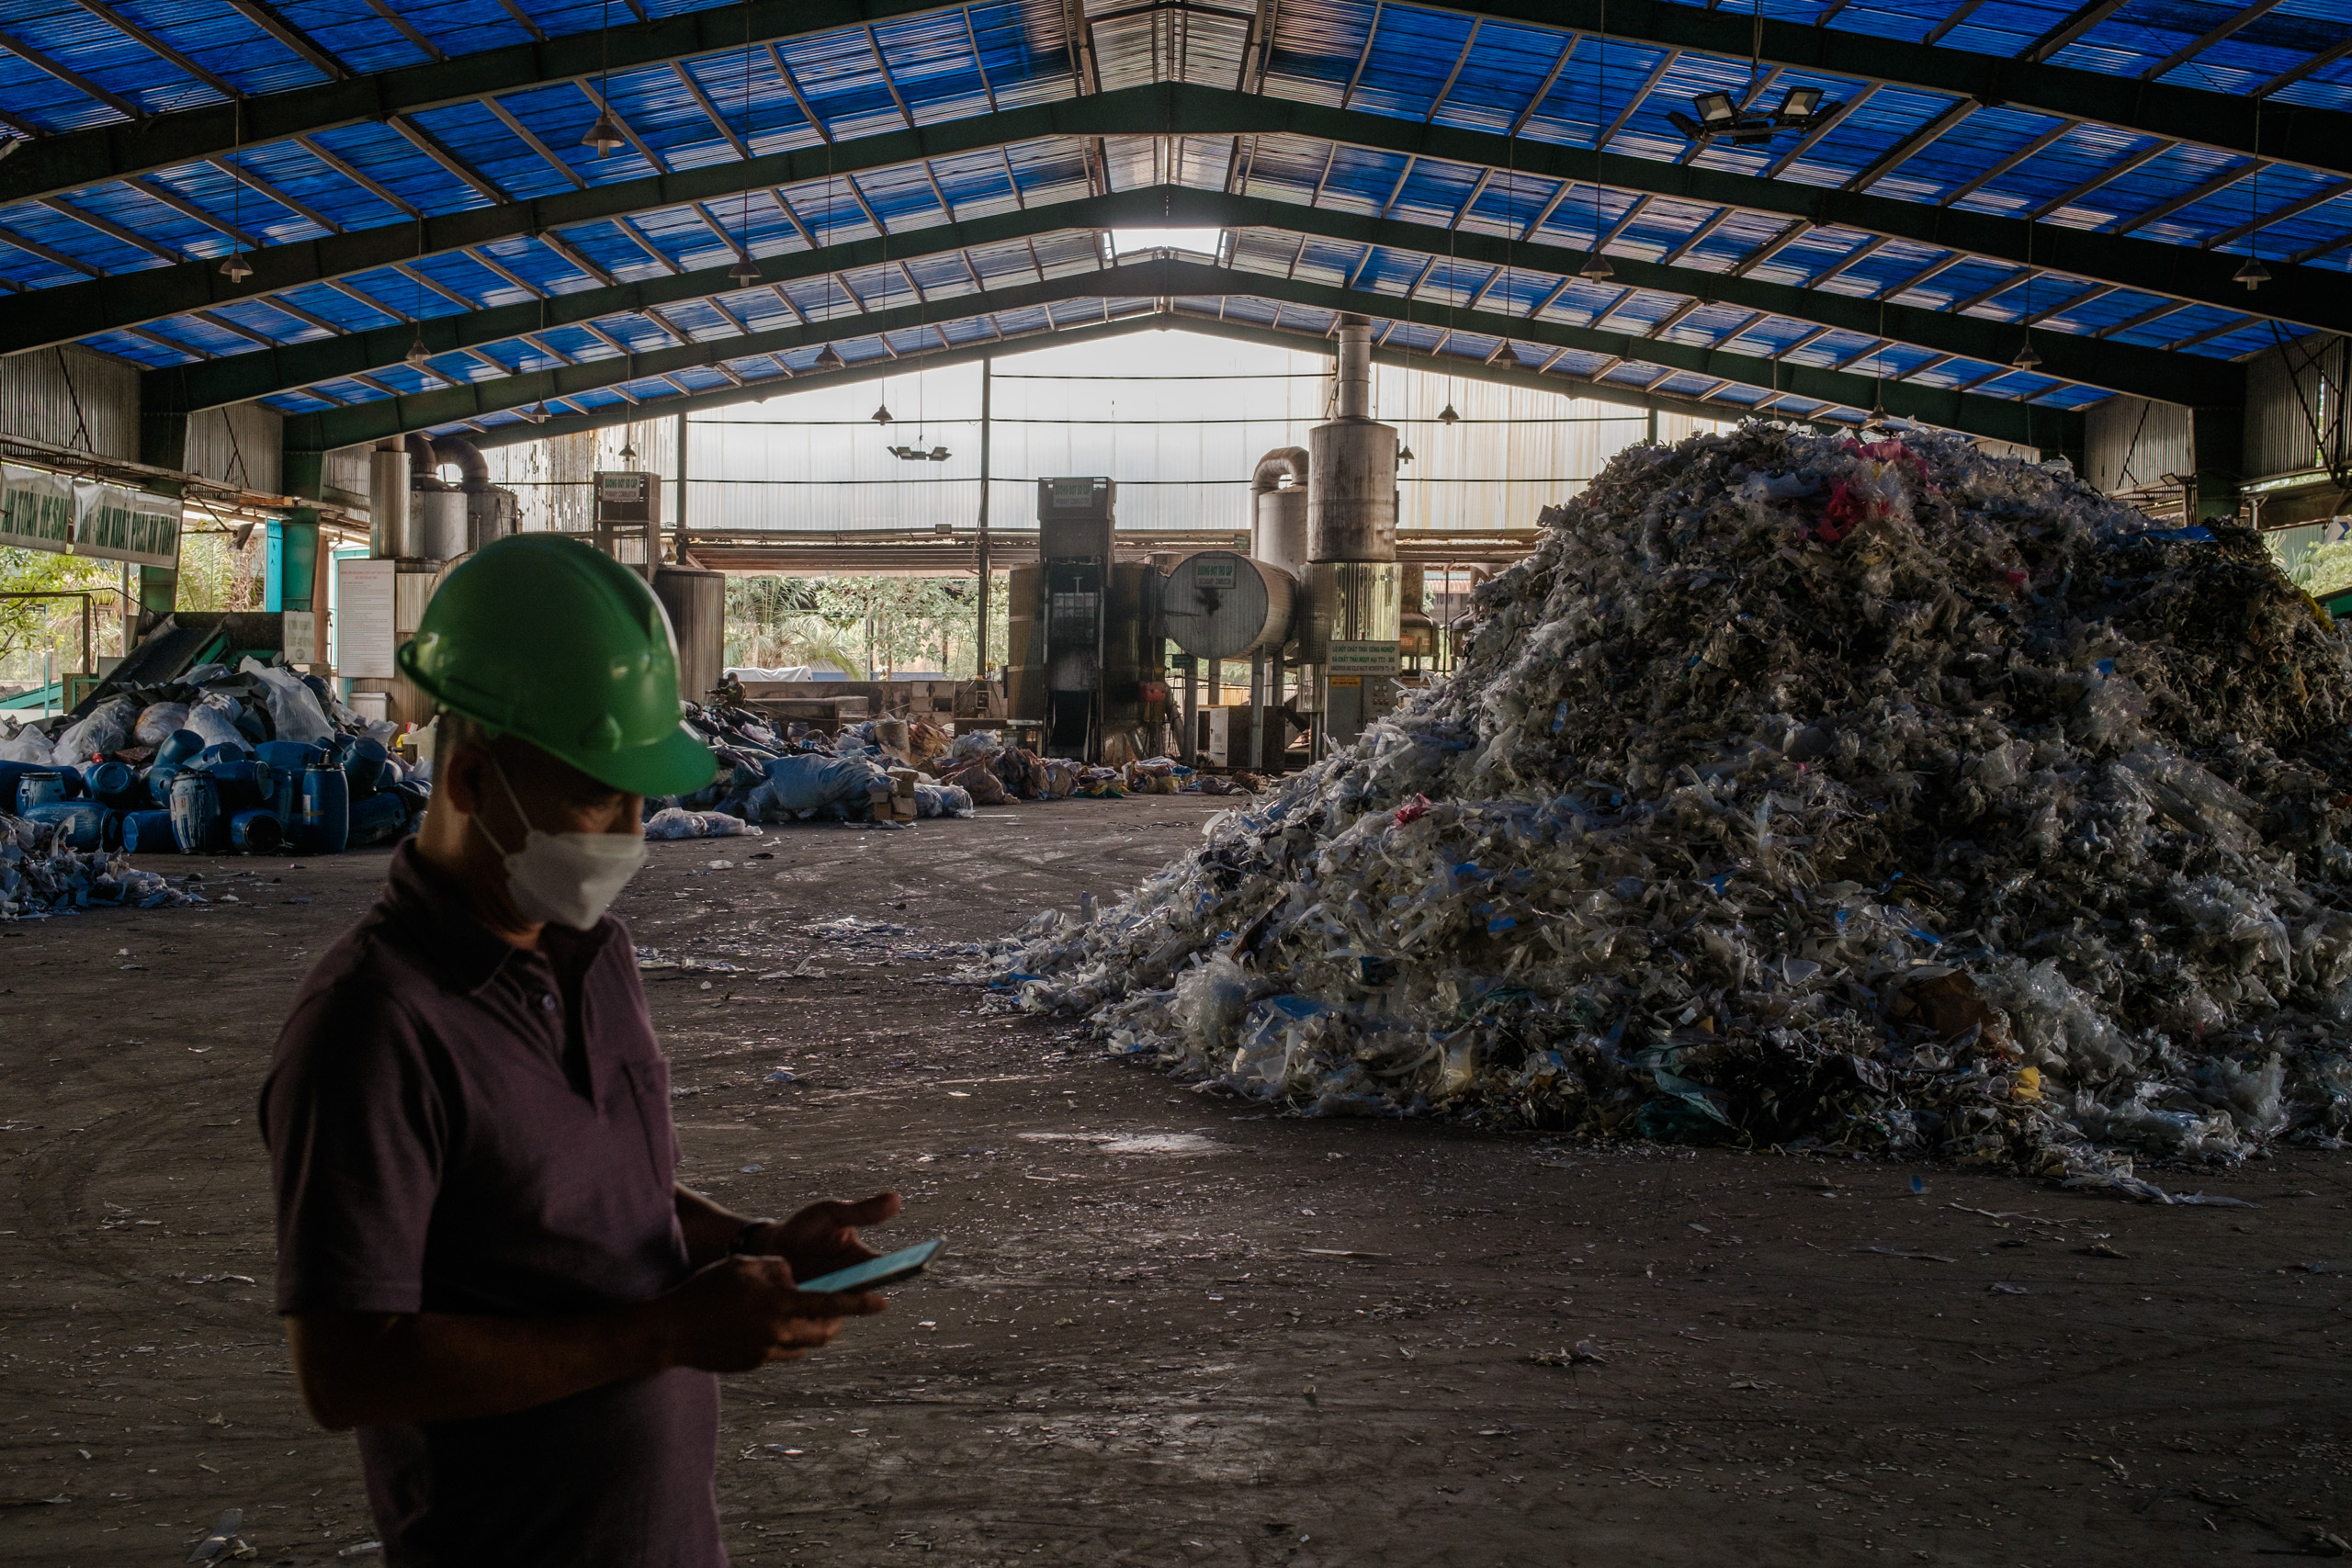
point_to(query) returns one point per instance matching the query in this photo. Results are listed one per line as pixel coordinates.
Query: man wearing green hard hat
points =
(485, 1263)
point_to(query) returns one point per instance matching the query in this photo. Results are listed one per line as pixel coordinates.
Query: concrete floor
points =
(1171, 1327)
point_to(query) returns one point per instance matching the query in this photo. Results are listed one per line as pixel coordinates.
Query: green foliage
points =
(2322, 569)
(857, 623)
(29, 626)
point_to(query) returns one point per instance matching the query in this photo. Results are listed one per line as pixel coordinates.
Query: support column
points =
(980, 659)
(1257, 710)
(163, 444)
(2218, 434)
(681, 526)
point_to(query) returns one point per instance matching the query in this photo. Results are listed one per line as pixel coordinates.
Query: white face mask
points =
(570, 879)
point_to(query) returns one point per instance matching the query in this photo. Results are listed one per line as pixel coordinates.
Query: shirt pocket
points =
(648, 1093)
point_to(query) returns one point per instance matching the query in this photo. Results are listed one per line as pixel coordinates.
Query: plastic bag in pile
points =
(294, 711)
(27, 745)
(108, 728)
(1798, 791)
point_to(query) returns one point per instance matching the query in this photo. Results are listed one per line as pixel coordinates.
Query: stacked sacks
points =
(1798, 791)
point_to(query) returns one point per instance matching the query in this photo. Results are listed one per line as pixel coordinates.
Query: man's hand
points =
(742, 1313)
(823, 1236)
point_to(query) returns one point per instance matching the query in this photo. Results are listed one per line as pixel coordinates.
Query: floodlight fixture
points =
(1716, 112)
(1800, 103)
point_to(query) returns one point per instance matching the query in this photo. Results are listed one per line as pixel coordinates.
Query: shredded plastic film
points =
(1800, 792)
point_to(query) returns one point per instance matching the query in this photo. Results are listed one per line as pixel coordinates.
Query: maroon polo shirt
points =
(455, 1125)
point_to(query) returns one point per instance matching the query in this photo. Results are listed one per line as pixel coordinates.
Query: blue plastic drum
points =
(196, 813)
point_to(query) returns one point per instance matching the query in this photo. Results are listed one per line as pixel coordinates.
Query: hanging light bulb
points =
(1404, 456)
(1597, 268)
(416, 358)
(628, 453)
(536, 414)
(2253, 275)
(605, 136)
(2027, 359)
(827, 359)
(236, 269)
(743, 274)
(1510, 359)
(881, 415)
(1446, 414)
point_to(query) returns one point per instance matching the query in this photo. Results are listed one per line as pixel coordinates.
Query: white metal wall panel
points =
(70, 397)
(239, 445)
(2132, 444)
(2295, 411)
(1182, 447)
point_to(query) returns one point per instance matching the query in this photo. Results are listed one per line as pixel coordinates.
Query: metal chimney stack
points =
(1352, 576)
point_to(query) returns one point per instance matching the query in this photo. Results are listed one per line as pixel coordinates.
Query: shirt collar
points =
(435, 914)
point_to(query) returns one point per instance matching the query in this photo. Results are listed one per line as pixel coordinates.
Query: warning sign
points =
(1364, 658)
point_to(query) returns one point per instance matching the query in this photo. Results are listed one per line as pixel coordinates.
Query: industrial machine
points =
(625, 518)
(424, 525)
(1076, 525)
(1218, 605)
(1354, 587)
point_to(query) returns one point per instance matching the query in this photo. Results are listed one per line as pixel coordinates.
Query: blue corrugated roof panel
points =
(1506, 66)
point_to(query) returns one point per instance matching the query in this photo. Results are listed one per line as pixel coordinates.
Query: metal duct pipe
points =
(1278, 515)
(1355, 367)
(387, 509)
(473, 466)
(420, 466)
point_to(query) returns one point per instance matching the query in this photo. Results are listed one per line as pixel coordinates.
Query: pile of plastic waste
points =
(865, 773)
(255, 758)
(42, 874)
(1801, 792)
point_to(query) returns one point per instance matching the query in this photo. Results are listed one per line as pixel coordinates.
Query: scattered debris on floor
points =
(1801, 792)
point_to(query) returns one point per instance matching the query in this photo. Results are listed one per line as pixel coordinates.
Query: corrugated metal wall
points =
(2132, 444)
(1182, 447)
(551, 479)
(343, 477)
(2295, 408)
(41, 391)
(240, 445)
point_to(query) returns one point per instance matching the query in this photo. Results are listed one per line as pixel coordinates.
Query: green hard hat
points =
(552, 641)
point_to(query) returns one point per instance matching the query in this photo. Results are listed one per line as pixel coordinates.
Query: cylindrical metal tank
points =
(1024, 648)
(412, 588)
(1222, 604)
(440, 524)
(696, 602)
(490, 516)
(1278, 498)
(1348, 601)
(389, 534)
(1351, 499)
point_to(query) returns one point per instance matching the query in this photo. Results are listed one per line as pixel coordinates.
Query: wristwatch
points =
(741, 1247)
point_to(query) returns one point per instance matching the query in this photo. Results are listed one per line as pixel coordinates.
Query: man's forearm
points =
(366, 1369)
(710, 1229)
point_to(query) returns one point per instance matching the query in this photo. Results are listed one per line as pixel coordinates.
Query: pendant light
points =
(605, 136)
(827, 359)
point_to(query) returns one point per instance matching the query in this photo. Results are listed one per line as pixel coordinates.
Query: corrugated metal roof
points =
(1397, 61)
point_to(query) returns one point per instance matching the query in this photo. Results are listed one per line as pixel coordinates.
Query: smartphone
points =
(876, 1272)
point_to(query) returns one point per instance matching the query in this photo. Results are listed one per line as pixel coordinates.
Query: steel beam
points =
(1158, 279)
(2309, 297)
(2113, 367)
(2318, 138)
